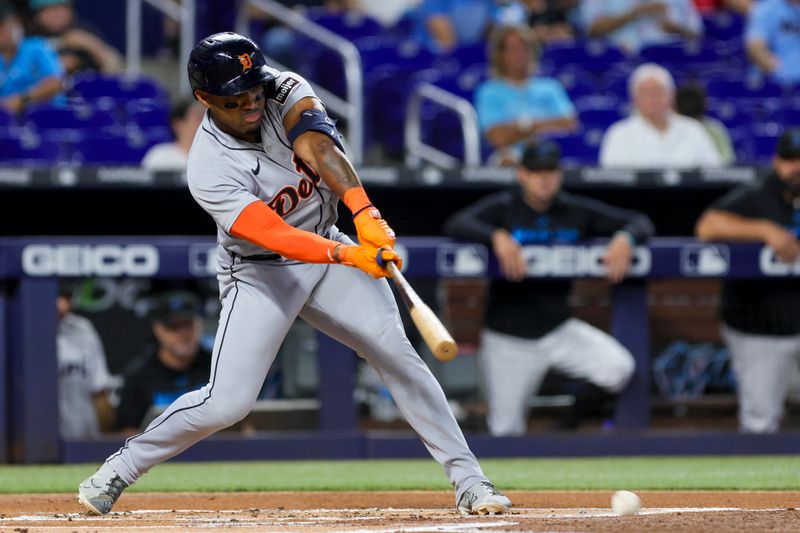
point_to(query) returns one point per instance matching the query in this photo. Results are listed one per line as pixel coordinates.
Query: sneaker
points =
(483, 498)
(99, 492)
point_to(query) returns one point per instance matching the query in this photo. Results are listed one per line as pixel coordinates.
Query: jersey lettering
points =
(288, 198)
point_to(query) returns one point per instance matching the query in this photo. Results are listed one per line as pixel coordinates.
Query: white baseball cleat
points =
(100, 490)
(483, 498)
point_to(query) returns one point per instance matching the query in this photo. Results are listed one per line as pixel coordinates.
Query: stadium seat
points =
(128, 149)
(351, 25)
(119, 87)
(764, 139)
(594, 56)
(723, 25)
(30, 150)
(148, 113)
(74, 116)
(737, 89)
(679, 54)
(599, 118)
(576, 150)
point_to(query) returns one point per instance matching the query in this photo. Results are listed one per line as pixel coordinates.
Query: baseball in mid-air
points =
(625, 503)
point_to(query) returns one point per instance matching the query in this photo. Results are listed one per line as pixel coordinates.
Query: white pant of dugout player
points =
(764, 366)
(260, 301)
(513, 368)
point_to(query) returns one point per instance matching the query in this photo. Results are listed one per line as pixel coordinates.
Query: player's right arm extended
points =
(261, 225)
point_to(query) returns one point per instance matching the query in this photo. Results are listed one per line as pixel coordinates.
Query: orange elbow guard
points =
(259, 224)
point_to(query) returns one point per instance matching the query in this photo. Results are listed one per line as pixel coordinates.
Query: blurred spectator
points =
(443, 25)
(741, 7)
(549, 19)
(528, 324)
(177, 364)
(29, 69)
(387, 12)
(773, 39)
(655, 136)
(633, 24)
(78, 44)
(184, 119)
(516, 105)
(83, 378)
(690, 101)
(761, 318)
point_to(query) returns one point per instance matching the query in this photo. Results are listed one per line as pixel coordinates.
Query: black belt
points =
(262, 257)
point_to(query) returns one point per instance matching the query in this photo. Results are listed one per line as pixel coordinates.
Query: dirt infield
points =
(373, 512)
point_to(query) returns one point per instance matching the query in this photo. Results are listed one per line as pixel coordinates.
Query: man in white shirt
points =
(655, 136)
(185, 117)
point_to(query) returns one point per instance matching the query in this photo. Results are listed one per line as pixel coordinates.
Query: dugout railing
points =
(30, 267)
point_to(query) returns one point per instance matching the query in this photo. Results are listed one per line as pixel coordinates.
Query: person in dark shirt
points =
(761, 318)
(529, 329)
(177, 364)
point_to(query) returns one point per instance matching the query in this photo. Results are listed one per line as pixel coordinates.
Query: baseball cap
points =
(175, 306)
(541, 155)
(789, 144)
(36, 5)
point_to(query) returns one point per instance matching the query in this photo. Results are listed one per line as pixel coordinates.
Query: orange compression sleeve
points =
(356, 200)
(261, 225)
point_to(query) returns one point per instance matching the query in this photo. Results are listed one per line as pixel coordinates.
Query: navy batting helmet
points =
(228, 64)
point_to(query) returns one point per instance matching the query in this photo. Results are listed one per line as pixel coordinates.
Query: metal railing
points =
(182, 12)
(351, 108)
(417, 150)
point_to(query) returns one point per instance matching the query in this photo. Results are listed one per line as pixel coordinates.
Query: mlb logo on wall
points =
(202, 260)
(461, 260)
(705, 260)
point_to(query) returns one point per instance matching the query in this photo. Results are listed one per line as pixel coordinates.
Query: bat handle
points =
(391, 266)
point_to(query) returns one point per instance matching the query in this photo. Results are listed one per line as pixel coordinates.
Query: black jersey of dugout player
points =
(765, 306)
(149, 383)
(531, 308)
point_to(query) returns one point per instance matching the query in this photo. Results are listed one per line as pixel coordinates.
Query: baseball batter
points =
(268, 165)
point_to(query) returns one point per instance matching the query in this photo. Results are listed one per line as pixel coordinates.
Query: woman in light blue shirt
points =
(516, 105)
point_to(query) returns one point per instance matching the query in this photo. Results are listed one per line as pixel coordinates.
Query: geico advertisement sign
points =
(770, 265)
(89, 260)
(568, 261)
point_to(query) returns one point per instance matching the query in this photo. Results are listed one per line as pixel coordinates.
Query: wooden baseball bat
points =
(434, 333)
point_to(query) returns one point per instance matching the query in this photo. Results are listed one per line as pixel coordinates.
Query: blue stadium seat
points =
(599, 118)
(79, 115)
(119, 87)
(127, 149)
(679, 54)
(350, 24)
(738, 89)
(591, 55)
(148, 113)
(30, 150)
(723, 25)
(599, 101)
(6, 118)
(576, 150)
(764, 139)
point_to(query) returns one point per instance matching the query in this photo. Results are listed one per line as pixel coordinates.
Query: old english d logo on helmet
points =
(246, 61)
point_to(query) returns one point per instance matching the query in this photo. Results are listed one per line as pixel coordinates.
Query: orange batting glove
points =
(364, 257)
(372, 229)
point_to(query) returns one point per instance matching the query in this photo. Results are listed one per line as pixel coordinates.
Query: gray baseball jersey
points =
(262, 295)
(82, 373)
